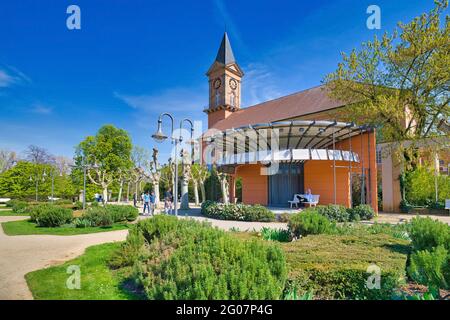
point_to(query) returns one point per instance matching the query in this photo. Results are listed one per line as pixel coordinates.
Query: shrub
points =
(431, 268)
(333, 212)
(17, 206)
(78, 205)
(275, 234)
(36, 210)
(309, 222)
(122, 213)
(185, 259)
(427, 233)
(335, 267)
(99, 217)
(62, 201)
(361, 212)
(82, 223)
(284, 217)
(51, 215)
(405, 206)
(239, 212)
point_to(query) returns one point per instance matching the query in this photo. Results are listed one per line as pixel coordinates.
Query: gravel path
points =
(22, 254)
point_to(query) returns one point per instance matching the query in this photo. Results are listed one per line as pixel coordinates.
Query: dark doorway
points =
(287, 182)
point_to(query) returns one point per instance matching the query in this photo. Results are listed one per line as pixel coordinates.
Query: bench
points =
(4, 200)
(314, 201)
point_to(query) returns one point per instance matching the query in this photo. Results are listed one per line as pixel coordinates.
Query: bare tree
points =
(7, 160)
(38, 155)
(63, 164)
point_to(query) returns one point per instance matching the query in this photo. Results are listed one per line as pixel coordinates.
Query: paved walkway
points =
(22, 254)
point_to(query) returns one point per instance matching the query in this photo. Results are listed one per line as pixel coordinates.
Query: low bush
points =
(333, 212)
(185, 259)
(431, 268)
(336, 266)
(82, 223)
(62, 201)
(17, 206)
(284, 217)
(239, 211)
(309, 222)
(78, 205)
(361, 212)
(122, 213)
(51, 215)
(427, 233)
(99, 217)
(280, 235)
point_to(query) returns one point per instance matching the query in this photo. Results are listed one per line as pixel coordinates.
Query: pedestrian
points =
(135, 199)
(152, 203)
(146, 202)
(168, 201)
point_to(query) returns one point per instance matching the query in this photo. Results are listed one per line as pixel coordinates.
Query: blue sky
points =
(133, 59)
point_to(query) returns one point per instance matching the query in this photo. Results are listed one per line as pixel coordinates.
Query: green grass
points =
(26, 227)
(10, 213)
(98, 281)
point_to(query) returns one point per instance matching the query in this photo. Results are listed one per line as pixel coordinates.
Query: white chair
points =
(314, 200)
(294, 201)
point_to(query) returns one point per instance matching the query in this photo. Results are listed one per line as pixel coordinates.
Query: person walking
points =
(168, 201)
(152, 203)
(135, 199)
(146, 203)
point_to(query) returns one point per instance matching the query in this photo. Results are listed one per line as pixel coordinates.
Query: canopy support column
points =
(334, 167)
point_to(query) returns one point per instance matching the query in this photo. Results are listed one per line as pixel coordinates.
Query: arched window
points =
(217, 98)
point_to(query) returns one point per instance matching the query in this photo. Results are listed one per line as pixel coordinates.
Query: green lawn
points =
(9, 212)
(98, 281)
(26, 227)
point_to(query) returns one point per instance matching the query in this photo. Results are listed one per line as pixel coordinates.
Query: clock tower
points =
(224, 84)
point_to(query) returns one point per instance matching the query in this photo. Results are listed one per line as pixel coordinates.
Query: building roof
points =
(225, 54)
(288, 107)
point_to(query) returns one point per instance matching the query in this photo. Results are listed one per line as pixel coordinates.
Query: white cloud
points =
(41, 109)
(10, 76)
(259, 85)
(181, 102)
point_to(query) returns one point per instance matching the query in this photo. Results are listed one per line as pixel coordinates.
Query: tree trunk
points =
(128, 192)
(184, 194)
(119, 197)
(195, 184)
(202, 189)
(156, 187)
(105, 194)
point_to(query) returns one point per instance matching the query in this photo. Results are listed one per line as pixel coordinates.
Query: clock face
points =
(233, 84)
(217, 83)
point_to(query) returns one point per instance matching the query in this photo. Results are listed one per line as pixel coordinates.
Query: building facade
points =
(286, 146)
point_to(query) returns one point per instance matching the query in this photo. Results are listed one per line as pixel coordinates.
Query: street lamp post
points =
(36, 178)
(85, 166)
(159, 136)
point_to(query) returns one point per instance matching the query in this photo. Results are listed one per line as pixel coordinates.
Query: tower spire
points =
(225, 54)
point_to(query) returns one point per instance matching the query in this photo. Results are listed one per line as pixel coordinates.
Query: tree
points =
(399, 84)
(199, 175)
(37, 154)
(185, 177)
(154, 173)
(107, 154)
(140, 158)
(7, 160)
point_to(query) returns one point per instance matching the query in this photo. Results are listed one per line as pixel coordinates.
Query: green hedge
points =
(185, 259)
(427, 233)
(107, 216)
(335, 267)
(309, 222)
(431, 268)
(17, 206)
(240, 212)
(48, 215)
